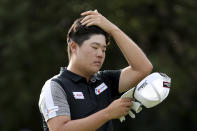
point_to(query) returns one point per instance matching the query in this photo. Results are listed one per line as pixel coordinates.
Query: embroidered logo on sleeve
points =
(52, 109)
(78, 95)
(100, 88)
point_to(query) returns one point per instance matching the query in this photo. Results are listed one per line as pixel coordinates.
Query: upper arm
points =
(129, 78)
(53, 102)
(57, 123)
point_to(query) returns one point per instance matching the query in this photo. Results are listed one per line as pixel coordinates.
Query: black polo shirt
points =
(85, 98)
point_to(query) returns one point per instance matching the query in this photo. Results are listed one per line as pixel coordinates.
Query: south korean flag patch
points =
(99, 89)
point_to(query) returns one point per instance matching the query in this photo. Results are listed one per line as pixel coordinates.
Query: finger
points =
(127, 104)
(88, 21)
(87, 17)
(126, 99)
(126, 111)
(89, 13)
(96, 10)
(91, 23)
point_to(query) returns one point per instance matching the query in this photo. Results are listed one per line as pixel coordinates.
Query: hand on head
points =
(95, 18)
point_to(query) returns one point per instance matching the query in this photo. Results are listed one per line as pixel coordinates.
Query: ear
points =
(73, 47)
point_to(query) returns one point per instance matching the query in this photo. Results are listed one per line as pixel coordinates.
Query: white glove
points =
(136, 106)
(150, 92)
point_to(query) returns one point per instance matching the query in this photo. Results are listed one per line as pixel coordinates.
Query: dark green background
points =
(33, 47)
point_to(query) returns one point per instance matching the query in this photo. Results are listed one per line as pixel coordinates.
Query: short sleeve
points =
(111, 78)
(53, 101)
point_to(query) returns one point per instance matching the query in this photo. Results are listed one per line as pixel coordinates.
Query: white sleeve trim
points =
(50, 107)
(53, 101)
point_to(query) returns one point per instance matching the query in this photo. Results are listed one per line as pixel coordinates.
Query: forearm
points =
(89, 123)
(133, 54)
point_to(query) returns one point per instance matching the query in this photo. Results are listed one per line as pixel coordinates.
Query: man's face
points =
(91, 54)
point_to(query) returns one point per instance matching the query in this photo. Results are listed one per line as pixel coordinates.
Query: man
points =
(80, 97)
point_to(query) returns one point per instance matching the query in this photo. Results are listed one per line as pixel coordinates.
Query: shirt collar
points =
(75, 77)
(68, 74)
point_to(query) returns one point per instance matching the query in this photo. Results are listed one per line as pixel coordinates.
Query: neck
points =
(73, 68)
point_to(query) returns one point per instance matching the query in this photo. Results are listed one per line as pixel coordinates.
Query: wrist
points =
(106, 113)
(114, 30)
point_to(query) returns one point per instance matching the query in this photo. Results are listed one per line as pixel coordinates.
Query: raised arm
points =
(139, 65)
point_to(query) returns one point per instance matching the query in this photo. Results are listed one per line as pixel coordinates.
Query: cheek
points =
(87, 53)
(91, 51)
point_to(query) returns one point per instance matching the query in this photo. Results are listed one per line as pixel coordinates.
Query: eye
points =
(94, 47)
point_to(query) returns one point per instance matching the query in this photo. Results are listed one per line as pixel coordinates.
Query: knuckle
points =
(88, 17)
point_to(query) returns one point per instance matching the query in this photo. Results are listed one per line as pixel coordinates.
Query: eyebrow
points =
(98, 44)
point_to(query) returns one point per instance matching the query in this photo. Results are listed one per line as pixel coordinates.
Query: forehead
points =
(97, 38)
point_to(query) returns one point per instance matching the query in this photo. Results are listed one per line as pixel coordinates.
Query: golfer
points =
(80, 97)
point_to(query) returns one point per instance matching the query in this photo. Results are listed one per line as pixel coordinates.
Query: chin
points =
(95, 69)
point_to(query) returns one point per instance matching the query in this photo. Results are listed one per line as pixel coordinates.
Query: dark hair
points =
(79, 33)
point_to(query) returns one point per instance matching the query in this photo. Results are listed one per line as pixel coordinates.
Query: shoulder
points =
(51, 84)
(50, 88)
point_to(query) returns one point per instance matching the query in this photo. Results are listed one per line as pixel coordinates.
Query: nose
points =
(100, 53)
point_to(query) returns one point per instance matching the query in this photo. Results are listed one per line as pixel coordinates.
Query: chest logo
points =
(100, 88)
(78, 95)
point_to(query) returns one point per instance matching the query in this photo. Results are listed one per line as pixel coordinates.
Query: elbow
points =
(147, 70)
(150, 68)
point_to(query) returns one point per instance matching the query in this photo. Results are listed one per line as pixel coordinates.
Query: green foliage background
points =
(33, 47)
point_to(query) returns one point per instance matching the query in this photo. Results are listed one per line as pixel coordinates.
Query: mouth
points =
(97, 63)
